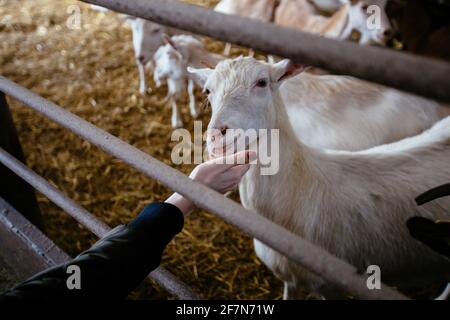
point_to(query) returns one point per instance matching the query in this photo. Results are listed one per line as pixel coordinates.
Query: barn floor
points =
(91, 72)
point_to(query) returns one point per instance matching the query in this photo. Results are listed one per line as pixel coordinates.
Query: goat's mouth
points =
(220, 150)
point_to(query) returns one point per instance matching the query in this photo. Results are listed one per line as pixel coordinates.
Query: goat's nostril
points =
(141, 59)
(223, 130)
(387, 33)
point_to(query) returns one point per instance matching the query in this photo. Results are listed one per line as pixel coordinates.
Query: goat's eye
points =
(262, 83)
(207, 91)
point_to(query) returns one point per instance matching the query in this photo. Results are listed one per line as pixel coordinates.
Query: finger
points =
(233, 177)
(238, 171)
(240, 158)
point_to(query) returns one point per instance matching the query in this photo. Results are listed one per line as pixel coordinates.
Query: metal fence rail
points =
(160, 275)
(303, 252)
(427, 77)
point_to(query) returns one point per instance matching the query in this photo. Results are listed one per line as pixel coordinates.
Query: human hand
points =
(220, 174)
(223, 174)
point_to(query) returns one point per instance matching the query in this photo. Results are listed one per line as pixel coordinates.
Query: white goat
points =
(302, 15)
(170, 64)
(345, 113)
(147, 38)
(262, 10)
(353, 204)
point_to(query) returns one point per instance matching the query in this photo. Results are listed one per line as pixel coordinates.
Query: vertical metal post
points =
(13, 189)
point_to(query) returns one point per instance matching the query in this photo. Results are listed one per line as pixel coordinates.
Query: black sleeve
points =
(113, 266)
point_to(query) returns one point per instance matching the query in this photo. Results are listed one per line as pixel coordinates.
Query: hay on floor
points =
(91, 72)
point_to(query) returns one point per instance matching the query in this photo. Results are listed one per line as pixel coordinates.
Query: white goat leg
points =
(364, 39)
(227, 49)
(192, 102)
(177, 122)
(444, 295)
(142, 80)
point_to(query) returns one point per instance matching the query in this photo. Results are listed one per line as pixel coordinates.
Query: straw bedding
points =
(91, 72)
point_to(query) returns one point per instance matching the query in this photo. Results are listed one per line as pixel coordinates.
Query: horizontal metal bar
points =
(161, 276)
(303, 252)
(427, 77)
(17, 193)
(56, 196)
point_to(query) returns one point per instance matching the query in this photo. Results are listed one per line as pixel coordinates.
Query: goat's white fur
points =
(345, 113)
(353, 204)
(147, 38)
(445, 294)
(262, 10)
(301, 14)
(170, 64)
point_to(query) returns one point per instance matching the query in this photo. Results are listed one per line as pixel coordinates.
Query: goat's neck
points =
(298, 175)
(292, 151)
(296, 160)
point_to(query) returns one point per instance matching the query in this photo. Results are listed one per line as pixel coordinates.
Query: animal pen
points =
(403, 71)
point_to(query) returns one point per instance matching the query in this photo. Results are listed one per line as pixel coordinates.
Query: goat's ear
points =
(285, 69)
(167, 40)
(200, 76)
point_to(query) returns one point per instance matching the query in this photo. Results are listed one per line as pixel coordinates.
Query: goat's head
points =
(369, 18)
(242, 93)
(168, 61)
(146, 38)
